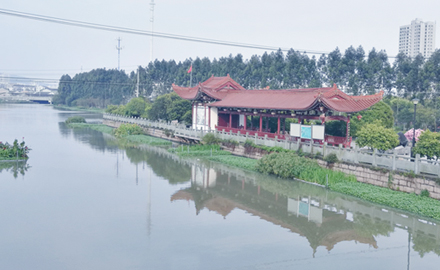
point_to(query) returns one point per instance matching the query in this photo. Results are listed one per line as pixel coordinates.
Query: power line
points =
(146, 33)
(42, 80)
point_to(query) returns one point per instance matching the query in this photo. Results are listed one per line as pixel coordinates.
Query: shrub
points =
(424, 193)
(291, 165)
(75, 119)
(111, 109)
(377, 136)
(210, 138)
(428, 145)
(229, 143)
(168, 132)
(128, 129)
(331, 158)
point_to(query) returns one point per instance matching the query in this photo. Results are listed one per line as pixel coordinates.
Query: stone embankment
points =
(371, 175)
(405, 182)
(395, 180)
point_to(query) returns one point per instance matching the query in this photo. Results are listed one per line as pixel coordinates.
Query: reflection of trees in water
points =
(424, 244)
(96, 139)
(14, 167)
(65, 131)
(365, 225)
(172, 170)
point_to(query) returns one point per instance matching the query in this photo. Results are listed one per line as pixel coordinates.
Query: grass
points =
(199, 150)
(240, 162)
(97, 127)
(410, 202)
(87, 109)
(142, 139)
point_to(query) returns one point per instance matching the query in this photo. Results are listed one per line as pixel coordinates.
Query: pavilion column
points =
(278, 130)
(261, 123)
(348, 130)
(252, 122)
(245, 120)
(209, 118)
(230, 120)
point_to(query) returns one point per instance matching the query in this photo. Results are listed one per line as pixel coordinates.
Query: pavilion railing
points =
(399, 160)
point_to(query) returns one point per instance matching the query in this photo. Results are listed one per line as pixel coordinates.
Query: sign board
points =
(315, 132)
(306, 132)
(295, 130)
(318, 132)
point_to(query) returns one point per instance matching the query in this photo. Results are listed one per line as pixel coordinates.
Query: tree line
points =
(354, 71)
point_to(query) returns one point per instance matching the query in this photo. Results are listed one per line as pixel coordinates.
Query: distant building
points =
(417, 38)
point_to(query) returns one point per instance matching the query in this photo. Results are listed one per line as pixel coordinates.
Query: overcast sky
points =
(47, 50)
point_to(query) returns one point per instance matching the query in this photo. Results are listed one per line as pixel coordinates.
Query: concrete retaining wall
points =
(389, 179)
(363, 173)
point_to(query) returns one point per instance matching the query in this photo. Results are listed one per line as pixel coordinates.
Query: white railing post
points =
(374, 157)
(417, 164)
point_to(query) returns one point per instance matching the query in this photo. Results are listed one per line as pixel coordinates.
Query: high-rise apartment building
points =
(418, 37)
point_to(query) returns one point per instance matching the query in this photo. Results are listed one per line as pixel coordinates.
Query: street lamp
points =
(415, 101)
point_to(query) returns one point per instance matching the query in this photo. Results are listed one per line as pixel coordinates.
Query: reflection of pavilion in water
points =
(305, 216)
(324, 218)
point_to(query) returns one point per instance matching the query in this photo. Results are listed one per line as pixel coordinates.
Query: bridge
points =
(26, 98)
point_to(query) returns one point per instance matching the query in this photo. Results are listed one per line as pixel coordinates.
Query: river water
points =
(86, 201)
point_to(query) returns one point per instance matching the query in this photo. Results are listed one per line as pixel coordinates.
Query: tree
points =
(428, 145)
(178, 108)
(64, 90)
(136, 107)
(376, 136)
(378, 112)
(169, 107)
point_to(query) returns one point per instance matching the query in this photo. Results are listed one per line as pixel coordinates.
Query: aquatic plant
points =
(75, 119)
(15, 151)
(128, 129)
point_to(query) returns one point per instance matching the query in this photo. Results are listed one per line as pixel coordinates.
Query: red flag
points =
(190, 69)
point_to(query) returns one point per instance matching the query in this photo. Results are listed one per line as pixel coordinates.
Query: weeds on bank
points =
(410, 202)
(199, 150)
(291, 165)
(240, 162)
(128, 133)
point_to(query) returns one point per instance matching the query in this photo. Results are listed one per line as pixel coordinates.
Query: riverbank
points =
(409, 202)
(417, 204)
(86, 109)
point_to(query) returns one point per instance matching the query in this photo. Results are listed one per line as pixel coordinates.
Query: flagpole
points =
(191, 76)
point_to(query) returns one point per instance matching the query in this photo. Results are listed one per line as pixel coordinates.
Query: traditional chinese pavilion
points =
(221, 103)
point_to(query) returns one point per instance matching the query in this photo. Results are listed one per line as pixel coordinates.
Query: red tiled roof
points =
(215, 87)
(230, 94)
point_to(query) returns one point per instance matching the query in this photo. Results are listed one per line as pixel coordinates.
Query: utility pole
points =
(137, 86)
(152, 28)
(119, 48)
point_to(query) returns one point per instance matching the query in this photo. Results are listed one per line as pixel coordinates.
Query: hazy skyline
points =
(40, 49)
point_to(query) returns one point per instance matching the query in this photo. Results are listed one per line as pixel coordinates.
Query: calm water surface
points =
(85, 201)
